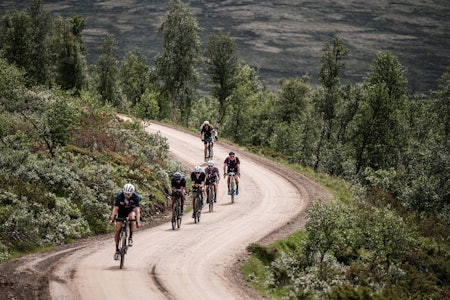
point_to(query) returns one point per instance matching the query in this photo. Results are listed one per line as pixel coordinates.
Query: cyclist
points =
(198, 180)
(126, 205)
(212, 175)
(206, 134)
(232, 164)
(178, 185)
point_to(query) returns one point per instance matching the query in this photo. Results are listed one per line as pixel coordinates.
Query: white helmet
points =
(197, 169)
(206, 123)
(211, 163)
(128, 188)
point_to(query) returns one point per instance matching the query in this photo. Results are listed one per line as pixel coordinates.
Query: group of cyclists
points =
(127, 201)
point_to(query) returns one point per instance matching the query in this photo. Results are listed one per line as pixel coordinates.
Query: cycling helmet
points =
(210, 163)
(128, 188)
(197, 169)
(177, 175)
(231, 153)
(206, 123)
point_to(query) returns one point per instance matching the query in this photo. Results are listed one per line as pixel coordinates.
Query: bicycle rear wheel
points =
(211, 151)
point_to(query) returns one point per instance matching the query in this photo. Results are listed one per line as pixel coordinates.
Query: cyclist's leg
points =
(132, 216)
(117, 233)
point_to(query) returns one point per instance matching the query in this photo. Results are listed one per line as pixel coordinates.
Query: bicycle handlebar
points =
(124, 219)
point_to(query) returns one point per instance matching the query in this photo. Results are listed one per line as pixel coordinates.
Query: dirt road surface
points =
(197, 261)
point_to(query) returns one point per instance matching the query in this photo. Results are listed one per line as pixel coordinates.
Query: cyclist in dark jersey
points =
(179, 184)
(232, 164)
(126, 205)
(206, 134)
(198, 179)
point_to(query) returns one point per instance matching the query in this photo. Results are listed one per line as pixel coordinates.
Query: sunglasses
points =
(197, 172)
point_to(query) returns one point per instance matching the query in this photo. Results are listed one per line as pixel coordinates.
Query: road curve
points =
(192, 262)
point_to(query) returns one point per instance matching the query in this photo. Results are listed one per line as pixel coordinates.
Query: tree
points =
(246, 101)
(59, 120)
(107, 72)
(12, 85)
(70, 65)
(378, 133)
(39, 69)
(15, 39)
(175, 65)
(288, 116)
(441, 106)
(24, 39)
(329, 77)
(222, 67)
(135, 76)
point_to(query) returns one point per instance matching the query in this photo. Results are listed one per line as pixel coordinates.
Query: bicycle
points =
(209, 149)
(123, 247)
(196, 193)
(176, 210)
(210, 194)
(232, 185)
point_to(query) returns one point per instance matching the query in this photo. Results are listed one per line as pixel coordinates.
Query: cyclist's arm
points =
(114, 213)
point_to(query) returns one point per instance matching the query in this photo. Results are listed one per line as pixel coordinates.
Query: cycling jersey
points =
(199, 179)
(126, 205)
(180, 184)
(207, 130)
(214, 174)
(232, 164)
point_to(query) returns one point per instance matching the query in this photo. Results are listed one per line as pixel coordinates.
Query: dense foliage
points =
(62, 163)
(64, 153)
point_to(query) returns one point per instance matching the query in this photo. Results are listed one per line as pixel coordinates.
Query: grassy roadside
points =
(253, 269)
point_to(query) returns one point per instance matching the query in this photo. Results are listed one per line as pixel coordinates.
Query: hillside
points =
(284, 38)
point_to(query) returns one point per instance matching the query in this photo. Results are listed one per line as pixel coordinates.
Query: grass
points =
(283, 38)
(253, 269)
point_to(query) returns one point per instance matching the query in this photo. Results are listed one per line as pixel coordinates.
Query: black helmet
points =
(231, 153)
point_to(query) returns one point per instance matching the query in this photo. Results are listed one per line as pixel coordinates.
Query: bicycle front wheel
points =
(197, 209)
(211, 199)
(123, 249)
(179, 216)
(174, 215)
(232, 189)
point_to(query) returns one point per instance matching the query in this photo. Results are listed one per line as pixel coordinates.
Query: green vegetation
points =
(64, 153)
